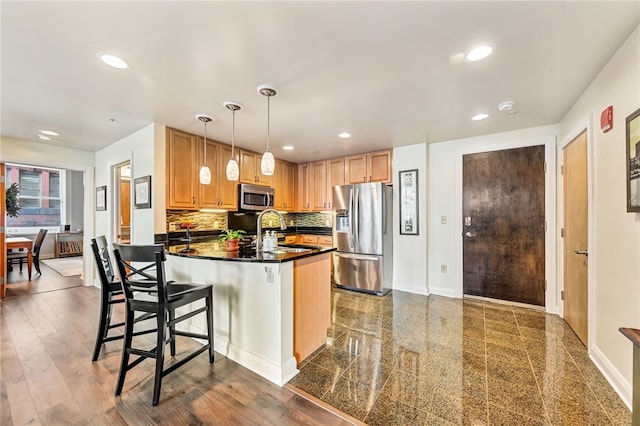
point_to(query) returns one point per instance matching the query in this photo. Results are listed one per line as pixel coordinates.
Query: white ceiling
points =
(386, 72)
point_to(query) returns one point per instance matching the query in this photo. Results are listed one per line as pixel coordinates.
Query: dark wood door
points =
(503, 225)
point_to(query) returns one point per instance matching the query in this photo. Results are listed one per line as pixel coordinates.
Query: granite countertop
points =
(215, 250)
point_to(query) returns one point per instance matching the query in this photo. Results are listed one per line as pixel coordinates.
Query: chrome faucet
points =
(259, 226)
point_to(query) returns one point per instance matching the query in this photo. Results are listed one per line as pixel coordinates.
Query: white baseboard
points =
(277, 374)
(622, 387)
(443, 291)
(411, 288)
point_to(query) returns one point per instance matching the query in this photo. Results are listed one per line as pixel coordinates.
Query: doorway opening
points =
(122, 203)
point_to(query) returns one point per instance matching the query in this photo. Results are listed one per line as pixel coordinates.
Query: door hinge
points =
(561, 232)
(1, 280)
(562, 295)
(1, 229)
(561, 170)
(545, 285)
(545, 167)
(2, 179)
(545, 226)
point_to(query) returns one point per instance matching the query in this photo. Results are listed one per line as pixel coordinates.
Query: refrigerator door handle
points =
(352, 220)
(357, 256)
(356, 212)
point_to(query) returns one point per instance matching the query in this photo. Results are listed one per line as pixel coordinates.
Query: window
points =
(40, 197)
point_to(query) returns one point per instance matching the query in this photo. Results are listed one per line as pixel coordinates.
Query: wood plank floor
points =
(47, 377)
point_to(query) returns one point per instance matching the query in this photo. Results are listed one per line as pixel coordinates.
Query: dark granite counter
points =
(215, 250)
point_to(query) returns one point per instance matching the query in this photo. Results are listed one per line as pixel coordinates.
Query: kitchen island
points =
(271, 308)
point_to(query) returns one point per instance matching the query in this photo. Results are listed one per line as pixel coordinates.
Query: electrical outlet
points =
(216, 225)
(443, 268)
(443, 220)
(269, 272)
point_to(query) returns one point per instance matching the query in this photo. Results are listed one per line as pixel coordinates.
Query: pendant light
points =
(268, 163)
(205, 172)
(233, 172)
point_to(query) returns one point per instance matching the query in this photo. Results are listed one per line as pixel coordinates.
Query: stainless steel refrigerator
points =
(362, 233)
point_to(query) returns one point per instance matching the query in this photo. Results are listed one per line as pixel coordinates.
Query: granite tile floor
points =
(406, 359)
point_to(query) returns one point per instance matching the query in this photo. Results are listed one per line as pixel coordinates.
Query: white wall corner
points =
(622, 387)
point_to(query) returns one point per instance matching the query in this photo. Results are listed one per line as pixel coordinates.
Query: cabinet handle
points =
(364, 179)
(193, 200)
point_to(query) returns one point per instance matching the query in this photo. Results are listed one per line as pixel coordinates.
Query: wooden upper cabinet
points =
(227, 190)
(335, 176)
(183, 153)
(318, 185)
(371, 167)
(221, 193)
(285, 184)
(304, 189)
(250, 170)
(379, 166)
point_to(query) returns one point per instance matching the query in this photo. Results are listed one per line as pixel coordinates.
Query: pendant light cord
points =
(268, 120)
(233, 133)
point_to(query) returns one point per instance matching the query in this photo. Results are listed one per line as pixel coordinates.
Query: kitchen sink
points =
(289, 250)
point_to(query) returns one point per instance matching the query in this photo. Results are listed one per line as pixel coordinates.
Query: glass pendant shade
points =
(268, 164)
(233, 171)
(205, 175)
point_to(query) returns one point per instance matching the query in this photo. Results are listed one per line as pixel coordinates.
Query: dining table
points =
(16, 243)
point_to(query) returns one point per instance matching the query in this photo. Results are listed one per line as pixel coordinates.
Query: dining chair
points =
(142, 272)
(19, 257)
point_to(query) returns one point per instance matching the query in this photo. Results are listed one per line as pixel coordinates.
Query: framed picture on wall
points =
(101, 198)
(142, 192)
(633, 162)
(408, 202)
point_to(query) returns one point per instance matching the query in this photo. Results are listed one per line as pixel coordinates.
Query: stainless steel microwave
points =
(254, 197)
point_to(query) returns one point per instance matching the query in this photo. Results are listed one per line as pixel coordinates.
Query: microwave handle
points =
(267, 196)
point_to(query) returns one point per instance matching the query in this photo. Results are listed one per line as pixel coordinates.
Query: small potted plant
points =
(232, 238)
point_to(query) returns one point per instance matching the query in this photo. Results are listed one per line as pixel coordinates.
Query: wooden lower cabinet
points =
(311, 304)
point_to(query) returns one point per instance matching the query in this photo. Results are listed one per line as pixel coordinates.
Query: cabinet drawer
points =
(325, 241)
(290, 239)
(309, 239)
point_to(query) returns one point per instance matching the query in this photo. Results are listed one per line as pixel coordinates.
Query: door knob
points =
(586, 253)
(469, 234)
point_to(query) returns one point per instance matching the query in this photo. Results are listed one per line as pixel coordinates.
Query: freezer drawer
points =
(358, 272)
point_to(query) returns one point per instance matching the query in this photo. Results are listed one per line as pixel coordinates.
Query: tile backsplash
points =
(208, 221)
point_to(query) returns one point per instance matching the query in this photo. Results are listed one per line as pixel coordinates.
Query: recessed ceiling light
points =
(49, 132)
(344, 135)
(113, 61)
(287, 148)
(479, 117)
(479, 52)
(44, 138)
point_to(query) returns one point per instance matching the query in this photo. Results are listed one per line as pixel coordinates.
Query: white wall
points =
(614, 249)
(47, 155)
(410, 251)
(445, 199)
(139, 149)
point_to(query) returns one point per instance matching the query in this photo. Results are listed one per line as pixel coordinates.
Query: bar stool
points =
(146, 290)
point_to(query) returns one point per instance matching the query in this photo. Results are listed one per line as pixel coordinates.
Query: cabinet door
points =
(209, 193)
(250, 170)
(182, 170)
(279, 185)
(335, 176)
(289, 178)
(318, 184)
(227, 190)
(247, 163)
(355, 169)
(304, 176)
(379, 166)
